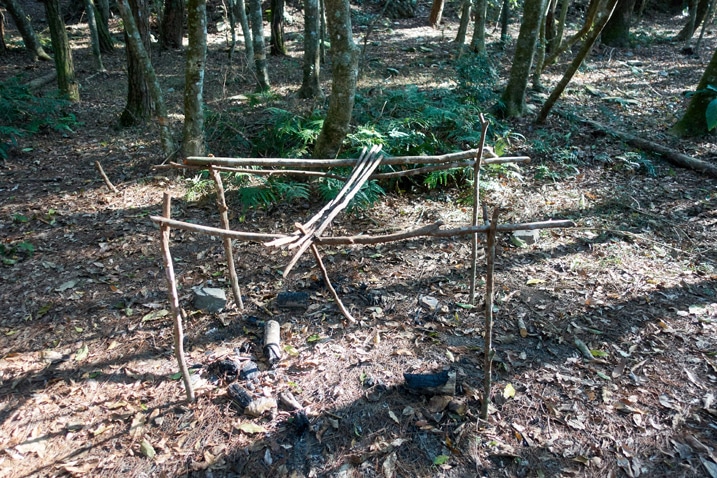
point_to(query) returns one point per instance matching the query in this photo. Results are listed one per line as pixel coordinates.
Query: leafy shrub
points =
(24, 114)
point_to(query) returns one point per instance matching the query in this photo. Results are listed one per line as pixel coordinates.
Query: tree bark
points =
(139, 107)
(311, 85)
(240, 12)
(478, 40)
(573, 68)
(465, 20)
(257, 30)
(278, 47)
(102, 15)
(513, 98)
(94, 35)
(436, 15)
(193, 137)
(32, 44)
(172, 31)
(504, 17)
(66, 81)
(694, 121)
(154, 98)
(617, 30)
(344, 72)
(3, 46)
(697, 15)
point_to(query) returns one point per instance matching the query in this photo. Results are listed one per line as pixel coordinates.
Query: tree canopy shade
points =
(701, 112)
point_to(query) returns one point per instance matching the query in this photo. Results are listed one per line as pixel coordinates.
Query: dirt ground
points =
(88, 380)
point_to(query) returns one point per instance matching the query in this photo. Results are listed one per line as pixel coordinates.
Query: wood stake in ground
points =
(109, 184)
(488, 334)
(476, 205)
(222, 206)
(174, 301)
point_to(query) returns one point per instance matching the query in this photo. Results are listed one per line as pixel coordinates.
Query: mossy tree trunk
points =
(617, 31)
(193, 137)
(139, 107)
(466, 9)
(311, 85)
(172, 31)
(22, 22)
(102, 14)
(257, 33)
(344, 73)
(694, 121)
(94, 35)
(478, 40)
(66, 81)
(150, 99)
(513, 98)
(278, 46)
(3, 46)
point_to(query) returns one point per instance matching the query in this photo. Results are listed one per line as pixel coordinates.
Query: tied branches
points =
(305, 234)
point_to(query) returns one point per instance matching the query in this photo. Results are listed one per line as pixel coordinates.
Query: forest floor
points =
(88, 383)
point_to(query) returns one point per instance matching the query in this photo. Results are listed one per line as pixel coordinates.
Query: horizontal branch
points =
(430, 230)
(194, 161)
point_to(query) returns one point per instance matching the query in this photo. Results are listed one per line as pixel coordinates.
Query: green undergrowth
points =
(23, 114)
(405, 120)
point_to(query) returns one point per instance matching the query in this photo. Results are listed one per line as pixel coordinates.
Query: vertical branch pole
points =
(222, 205)
(488, 343)
(476, 206)
(174, 301)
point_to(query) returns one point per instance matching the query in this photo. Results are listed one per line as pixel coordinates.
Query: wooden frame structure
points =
(309, 236)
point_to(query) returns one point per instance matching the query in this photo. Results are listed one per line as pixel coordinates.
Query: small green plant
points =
(267, 191)
(288, 135)
(367, 196)
(11, 253)
(711, 109)
(24, 114)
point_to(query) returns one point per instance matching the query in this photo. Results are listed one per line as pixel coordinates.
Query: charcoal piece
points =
(300, 422)
(292, 300)
(441, 383)
(226, 369)
(254, 321)
(249, 371)
(239, 395)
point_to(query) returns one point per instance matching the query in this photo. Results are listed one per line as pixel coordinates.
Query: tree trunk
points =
(478, 40)
(66, 81)
(513, 99)
(590, 16)
(504, 18)
(22, 22)
(139, 107)
(144, 74)
(193, 137)
(436, 15)
(465, 20)
(344, 72)
(102, 15)
(697, 15)
(550, 32)
(617, 31)
(94, 35)
(694, 121)
(400, 9)
(240, 12)
(278, 47)
(558, 39)
(540, 51)
(573, 68)
(3, 46)
(172, 31)
(257, 30)
(310, 85)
